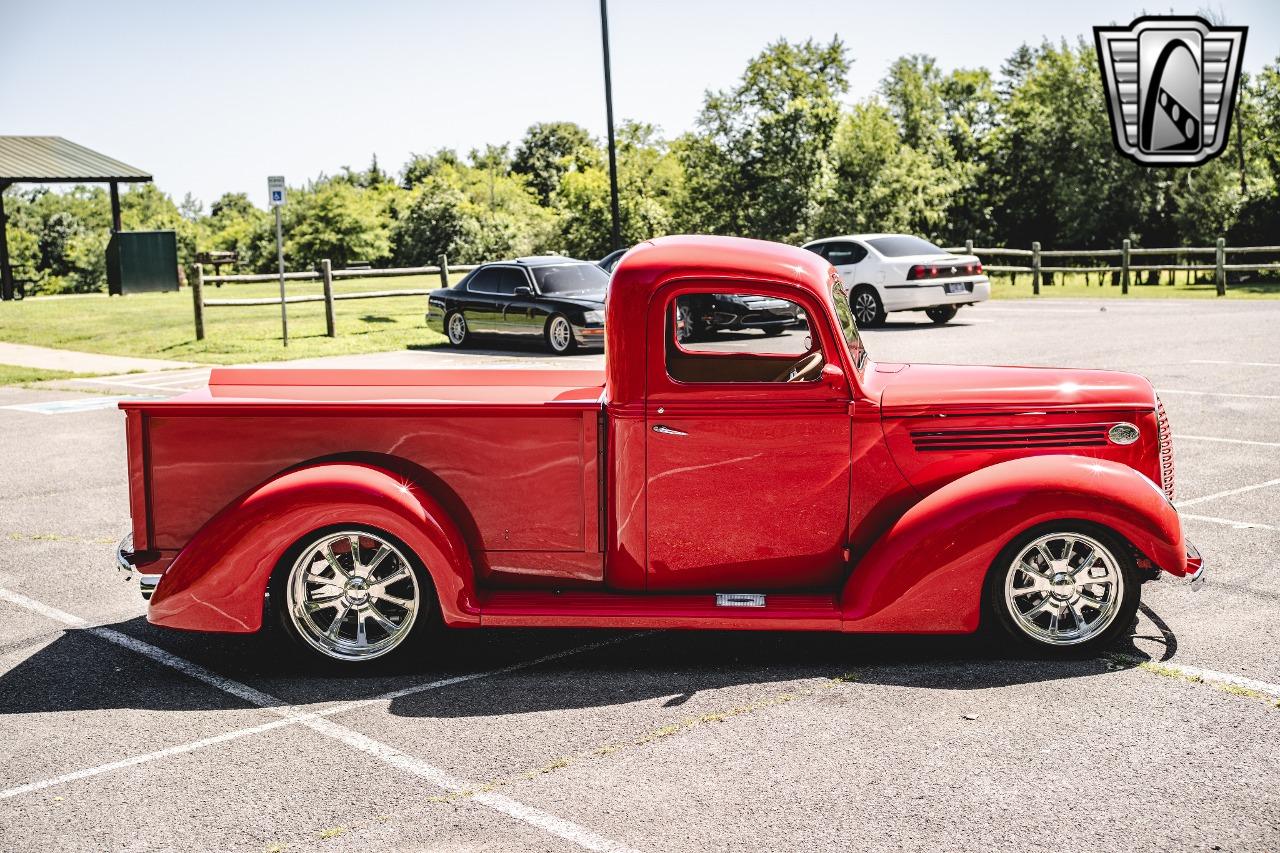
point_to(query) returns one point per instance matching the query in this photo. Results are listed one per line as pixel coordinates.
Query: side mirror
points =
(523, 291)
(833, 377)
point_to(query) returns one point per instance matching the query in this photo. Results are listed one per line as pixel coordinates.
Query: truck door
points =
(747, 451)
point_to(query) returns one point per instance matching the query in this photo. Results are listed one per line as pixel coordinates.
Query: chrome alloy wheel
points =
(560, 334)
(1063, 588)
(352, 595)
(865, 308)
(457, 329)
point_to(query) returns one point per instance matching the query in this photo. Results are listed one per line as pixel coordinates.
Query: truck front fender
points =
(925, 574)
(218, 581)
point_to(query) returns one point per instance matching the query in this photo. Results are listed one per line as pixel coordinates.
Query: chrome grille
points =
(1166, 449)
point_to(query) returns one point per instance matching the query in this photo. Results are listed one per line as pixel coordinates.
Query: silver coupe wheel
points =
(866, 306)
(1063, 589)
(559, 334)
(457, 329)
(352, 595)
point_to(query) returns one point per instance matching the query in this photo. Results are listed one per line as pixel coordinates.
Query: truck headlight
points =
(593, 316)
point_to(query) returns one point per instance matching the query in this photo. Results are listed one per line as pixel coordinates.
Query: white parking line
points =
(1211, 676)
(1217, 394)
(1228, 493)
(1181, 437)
(1238, 525)
(1235, 363)
(545, 821)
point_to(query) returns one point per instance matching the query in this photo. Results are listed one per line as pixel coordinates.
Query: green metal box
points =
(142, 262)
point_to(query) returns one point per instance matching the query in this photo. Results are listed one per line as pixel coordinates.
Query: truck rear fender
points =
(925, 574)
(219, 580)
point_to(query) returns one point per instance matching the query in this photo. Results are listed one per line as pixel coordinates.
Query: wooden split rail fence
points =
(1125, 254)
(326, 275)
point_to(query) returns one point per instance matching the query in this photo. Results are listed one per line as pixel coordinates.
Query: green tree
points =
(550, 150)
(336, 220)
(880, 183)
(755, 162)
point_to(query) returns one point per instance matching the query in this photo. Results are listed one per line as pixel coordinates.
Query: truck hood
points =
(939, 389)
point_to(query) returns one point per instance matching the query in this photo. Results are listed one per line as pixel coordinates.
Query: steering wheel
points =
(802, 370)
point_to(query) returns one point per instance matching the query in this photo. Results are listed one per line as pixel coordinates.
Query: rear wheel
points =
(868, 310)
(455, 327)
(559, 335)
(352, 594)
(1063, 589)
(941, 314)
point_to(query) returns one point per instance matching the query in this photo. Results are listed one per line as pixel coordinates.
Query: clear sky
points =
(214, 96)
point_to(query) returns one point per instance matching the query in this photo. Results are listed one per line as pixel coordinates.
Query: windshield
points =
(578, 279)
(847, 326)
(902, 245)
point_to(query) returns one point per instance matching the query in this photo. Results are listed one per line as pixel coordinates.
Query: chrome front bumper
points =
(125, 556)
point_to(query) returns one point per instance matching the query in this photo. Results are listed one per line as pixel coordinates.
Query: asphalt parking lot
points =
(118, 736)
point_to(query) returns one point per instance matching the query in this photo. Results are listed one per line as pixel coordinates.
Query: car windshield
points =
(578, 279)
(903, 245)
(847, 325)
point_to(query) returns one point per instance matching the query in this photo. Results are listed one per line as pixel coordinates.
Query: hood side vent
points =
(1010, 438)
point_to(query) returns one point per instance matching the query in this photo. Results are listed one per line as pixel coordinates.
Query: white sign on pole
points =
(275, 190)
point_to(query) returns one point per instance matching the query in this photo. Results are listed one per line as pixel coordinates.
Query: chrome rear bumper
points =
(1195, 567)
(125, 563)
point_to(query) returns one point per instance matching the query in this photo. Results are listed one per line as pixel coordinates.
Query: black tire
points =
(426, 625)
(941, 314)
(1010, 628)
(868, 309)
(773, 331)
(457, 319)
(558, 335)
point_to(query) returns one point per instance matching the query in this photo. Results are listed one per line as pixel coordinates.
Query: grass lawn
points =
(1077, 284)
(11, 374)
(160, 325)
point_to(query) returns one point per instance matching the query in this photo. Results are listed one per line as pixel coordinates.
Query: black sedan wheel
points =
(868, 310)
(559, 335)
(455, 327)
(941, 314)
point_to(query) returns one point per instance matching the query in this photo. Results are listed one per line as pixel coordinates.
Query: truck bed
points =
(512, 454)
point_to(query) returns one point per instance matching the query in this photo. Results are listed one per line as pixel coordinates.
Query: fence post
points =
(1124, 266)
(1220, 262)
(444, 270)
(326, 275)
(1035, 268)
(968, 246)
(197, 301)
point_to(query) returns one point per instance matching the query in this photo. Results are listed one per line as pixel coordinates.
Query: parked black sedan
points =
(702, 315)
(558, 300)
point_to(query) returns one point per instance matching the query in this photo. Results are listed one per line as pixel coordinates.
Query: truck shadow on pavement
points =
(516, 671)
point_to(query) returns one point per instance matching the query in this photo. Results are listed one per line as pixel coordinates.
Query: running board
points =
(538, 608)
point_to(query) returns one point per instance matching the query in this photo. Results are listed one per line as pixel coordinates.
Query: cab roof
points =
(655, 261)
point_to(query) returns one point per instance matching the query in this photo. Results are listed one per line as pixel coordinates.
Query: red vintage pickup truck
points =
(766, 479)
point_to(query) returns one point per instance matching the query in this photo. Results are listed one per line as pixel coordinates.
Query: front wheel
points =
(868, 310)
(941, 314)
(559, 335)
(1064, 590)
(351, 594)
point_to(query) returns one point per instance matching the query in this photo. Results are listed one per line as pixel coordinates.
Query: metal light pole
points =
(608, 107)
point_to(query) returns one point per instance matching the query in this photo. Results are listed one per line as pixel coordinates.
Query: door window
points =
(844, 253)
(485, 280)
(740, 337)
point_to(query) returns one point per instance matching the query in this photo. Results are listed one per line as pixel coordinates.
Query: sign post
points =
(275, 191)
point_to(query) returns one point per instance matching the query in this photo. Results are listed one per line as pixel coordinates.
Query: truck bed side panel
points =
(518, 481)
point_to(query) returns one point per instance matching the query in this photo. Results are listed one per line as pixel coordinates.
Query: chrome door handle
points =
(666, 430)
